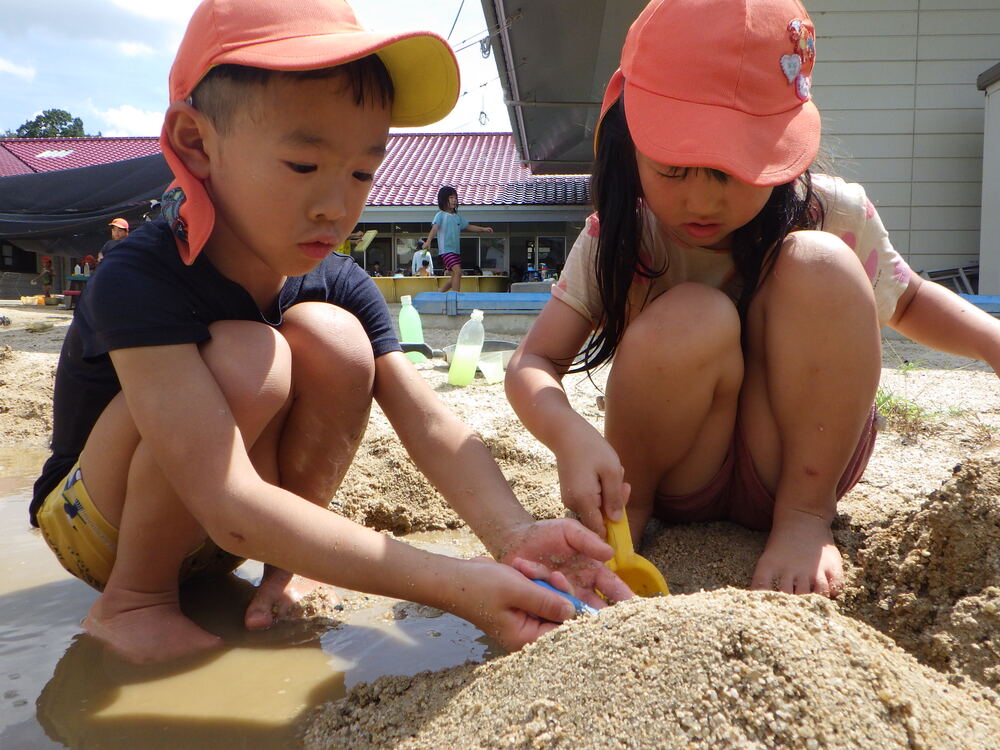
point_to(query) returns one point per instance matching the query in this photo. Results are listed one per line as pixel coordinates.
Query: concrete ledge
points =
(541, 287)
(986, 302)
(462, 303)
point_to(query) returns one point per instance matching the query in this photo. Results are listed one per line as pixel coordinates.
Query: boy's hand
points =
(502, 602)
(591, 479)
(800, 557)
(563, 546)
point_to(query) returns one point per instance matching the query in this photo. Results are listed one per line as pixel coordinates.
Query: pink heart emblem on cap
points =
(790, 66)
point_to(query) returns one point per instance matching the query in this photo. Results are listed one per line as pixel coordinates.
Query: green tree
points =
(52, 123)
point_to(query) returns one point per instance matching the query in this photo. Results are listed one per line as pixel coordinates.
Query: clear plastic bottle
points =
(410, 329)
(467, 350)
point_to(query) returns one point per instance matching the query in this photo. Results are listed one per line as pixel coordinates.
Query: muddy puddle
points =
(59, 689)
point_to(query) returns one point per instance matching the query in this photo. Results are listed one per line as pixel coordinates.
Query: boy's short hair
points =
(226, 90)
(293, 35)
(445, 192)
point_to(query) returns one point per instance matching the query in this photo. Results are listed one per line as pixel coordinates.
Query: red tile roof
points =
(483, 167)
(52, 154)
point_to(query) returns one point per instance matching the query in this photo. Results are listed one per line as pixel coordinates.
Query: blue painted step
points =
(987, 302)
(495, 303)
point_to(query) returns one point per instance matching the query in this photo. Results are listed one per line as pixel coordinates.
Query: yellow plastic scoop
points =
(638, 573)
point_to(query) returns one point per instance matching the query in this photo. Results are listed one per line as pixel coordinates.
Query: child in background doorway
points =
(448, 225)
(44, 277)
(744, 344)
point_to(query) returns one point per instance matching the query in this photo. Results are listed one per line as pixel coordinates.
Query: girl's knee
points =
(819, 265)
(329, 346)
(690, 317)
(252, 364)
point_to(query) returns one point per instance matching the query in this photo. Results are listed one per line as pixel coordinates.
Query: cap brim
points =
(759, 150)
(422, 66)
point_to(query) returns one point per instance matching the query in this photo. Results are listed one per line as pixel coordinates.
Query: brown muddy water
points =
(58, 688)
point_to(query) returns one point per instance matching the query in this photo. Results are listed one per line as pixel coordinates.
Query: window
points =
(495, 257)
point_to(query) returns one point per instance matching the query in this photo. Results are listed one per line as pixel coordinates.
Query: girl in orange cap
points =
(744, 344)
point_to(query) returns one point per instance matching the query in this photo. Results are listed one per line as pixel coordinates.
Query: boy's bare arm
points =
(935, 316)
(451, 456)
(181, 412)
(460, 465)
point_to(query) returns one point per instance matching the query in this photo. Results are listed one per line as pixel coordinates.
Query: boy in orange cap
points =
(119, 231)
(217, 378)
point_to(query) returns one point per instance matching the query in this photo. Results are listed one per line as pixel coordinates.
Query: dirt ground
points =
(908, 656)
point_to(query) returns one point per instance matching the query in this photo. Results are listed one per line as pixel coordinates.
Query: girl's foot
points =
(280, 596)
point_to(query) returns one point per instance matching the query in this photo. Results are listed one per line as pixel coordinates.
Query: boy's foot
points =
(280, 597)
(148, 634)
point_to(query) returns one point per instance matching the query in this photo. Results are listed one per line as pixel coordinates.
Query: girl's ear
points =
(187, 130)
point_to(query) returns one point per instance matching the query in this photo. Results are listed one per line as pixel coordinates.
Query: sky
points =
(106, 61)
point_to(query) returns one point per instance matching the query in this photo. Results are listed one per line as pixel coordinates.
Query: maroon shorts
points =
(736, 493)
(450, 260)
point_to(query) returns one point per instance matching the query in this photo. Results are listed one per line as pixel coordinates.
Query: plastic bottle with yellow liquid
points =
(467, 350)
(410, 329)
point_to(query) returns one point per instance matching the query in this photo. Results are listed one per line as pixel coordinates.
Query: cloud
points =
(177, 12)
(134, 49)
(129, 121)
(27, 73)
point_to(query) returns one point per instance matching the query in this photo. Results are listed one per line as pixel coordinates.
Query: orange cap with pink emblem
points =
(295, 35)
(723, 84)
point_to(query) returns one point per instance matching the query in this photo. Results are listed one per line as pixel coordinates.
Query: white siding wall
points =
(895, 82)
(989, 239)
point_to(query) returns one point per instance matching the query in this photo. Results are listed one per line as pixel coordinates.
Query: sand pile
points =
(930, 578)
(384, 490)
(723, 669)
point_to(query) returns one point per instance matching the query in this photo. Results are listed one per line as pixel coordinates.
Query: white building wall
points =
(895, 83)
(989, 238)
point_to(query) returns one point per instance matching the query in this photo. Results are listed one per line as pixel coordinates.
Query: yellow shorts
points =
(86, 544)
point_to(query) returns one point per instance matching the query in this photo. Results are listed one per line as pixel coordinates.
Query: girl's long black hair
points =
(617, 196)
(444, 193)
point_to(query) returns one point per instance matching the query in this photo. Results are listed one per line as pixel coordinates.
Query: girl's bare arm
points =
(936, 317)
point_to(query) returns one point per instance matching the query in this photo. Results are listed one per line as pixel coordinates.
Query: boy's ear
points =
(187, 130)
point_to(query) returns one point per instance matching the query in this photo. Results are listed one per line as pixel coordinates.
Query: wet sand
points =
(59, 688)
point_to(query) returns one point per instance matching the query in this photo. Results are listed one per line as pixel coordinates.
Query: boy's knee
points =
(251, 362)
(329, 345)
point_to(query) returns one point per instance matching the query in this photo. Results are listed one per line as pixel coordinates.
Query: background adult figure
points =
(119, 231)
(421, 255)
(448, 224)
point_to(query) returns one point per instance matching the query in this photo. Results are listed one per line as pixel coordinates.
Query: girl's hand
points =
(502, 602)
(800, 557)
(591, 480)
(562, 549)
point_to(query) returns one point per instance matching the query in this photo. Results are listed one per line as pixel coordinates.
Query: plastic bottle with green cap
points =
(467, 350)
(410, 329)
